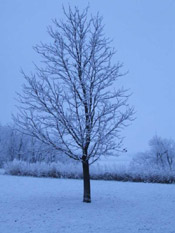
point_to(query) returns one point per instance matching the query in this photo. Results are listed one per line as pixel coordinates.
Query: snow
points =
(46, 205)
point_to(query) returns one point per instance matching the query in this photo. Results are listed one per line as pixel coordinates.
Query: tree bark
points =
(86, 181)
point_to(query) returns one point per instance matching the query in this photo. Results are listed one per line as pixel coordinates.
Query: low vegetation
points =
(98, 172)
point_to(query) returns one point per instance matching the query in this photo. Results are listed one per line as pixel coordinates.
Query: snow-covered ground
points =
(46, 205)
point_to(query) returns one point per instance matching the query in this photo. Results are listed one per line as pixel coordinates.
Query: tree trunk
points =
(86, 181)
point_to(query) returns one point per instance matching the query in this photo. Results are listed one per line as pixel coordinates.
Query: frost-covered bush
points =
(62, 170)
(43, 169)
(97, 171)
(151, 174)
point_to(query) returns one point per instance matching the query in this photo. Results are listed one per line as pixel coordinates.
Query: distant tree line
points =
(16, 145)
(156, 165)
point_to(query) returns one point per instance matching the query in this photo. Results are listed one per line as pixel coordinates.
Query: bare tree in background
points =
(70, 102)
(161, 155)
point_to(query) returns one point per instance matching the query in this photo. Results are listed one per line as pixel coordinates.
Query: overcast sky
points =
(143, 32)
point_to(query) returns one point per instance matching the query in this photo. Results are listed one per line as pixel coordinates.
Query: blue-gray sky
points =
(143, 32)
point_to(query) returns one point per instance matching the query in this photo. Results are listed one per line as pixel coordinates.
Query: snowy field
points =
(46, 205)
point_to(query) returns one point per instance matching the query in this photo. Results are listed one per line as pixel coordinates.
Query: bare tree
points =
(70, 102)
(163, 152)
(161, 155)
